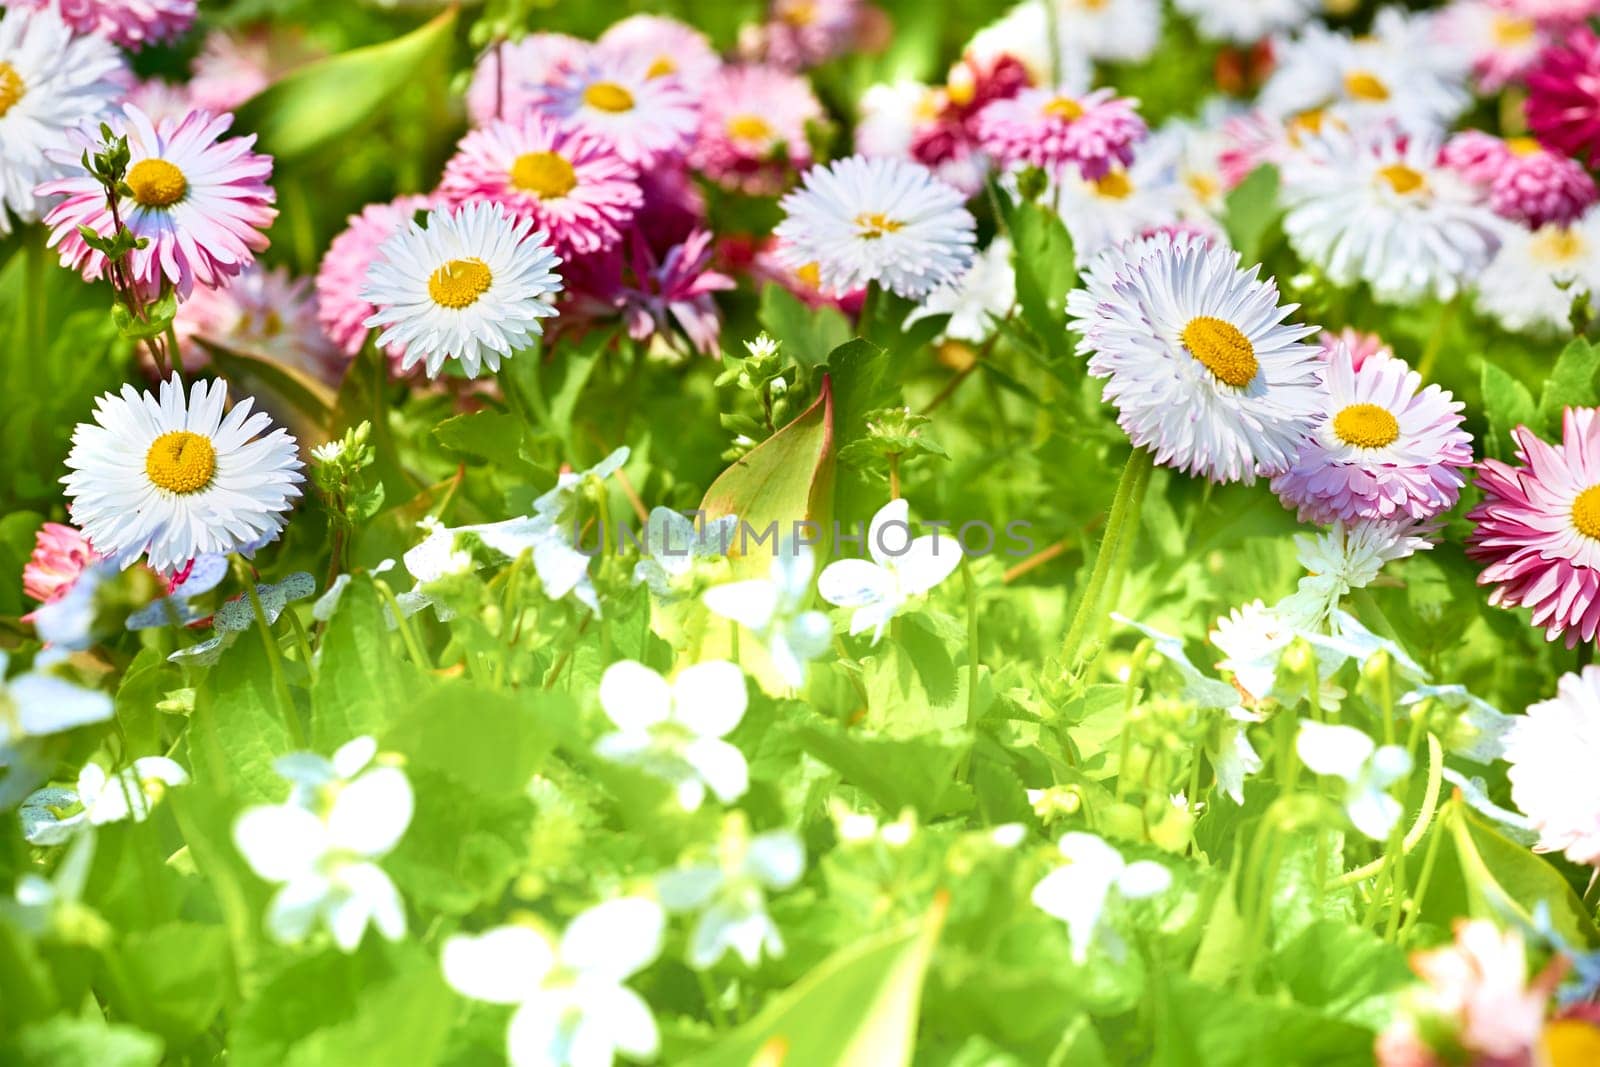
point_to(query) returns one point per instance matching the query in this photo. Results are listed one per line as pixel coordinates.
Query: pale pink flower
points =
(1501, 41)
(341, 308)
(1360, 344)
(200, 201)
(262, 312)
(129, 23)
(672, 47)
(512, 77)
(231, 68)
(650, 119)
(60, 555)
(753, 129)
(803, 33)
(1061, 131)
(160, 99)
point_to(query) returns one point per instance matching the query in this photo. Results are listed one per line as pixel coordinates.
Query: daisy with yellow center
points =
(756, 127)
(624, 98)
(1384, 449)
(1539, 275)
(1199, 361)
(471, 284)
(171, 477)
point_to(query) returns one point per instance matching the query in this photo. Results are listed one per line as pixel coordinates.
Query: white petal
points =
(352, 757)
(889, 532)
(501, 966)
(1337, 749)
(777, 858)
(46, 704)
(535, 1037)
(927, 562)
(854, 583)
(623, 1017)
(688, 888)
(751, 603)
(1143, 878)
(615, 938)
(720, 766)
(1373, 812)
(709, 698)
(280, 842)
(295, 907)
(634, 696)
(371, 813)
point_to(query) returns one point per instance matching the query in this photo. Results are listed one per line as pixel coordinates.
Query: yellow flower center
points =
(875, 225)
(459, 283)
(749, 128)
(11, 87)
(1365, 85)
(799, 13)
(1205, 187)
(661, 67)
(811, 274)
(608, 96)
(181, 462)
(1064, 108)
(1401, 178)
(1510, 30)
(1523, 146)
(1222, 350)
(1114, 185)
(156, 183)
(1571, 1043)
(544, 174)
(1366, 426)
(1586, 512)
(1555, 245)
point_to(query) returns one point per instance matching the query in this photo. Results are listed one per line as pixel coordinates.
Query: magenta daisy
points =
(1380, 448)
(200, 202)
(655, 294)
(753, 136)
(1563, 104)
(570, 183)
(648, 118)
(130, 23)
(1538, 528)
(1523, 181)
(514, 76)
(672, 47)
(1055, 129)
(341, 308)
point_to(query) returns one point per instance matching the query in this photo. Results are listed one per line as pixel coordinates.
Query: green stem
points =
(1441, 327)
(269, 640)
(1123, 509)
(972, 644)
(1430, 801)
(403, 624)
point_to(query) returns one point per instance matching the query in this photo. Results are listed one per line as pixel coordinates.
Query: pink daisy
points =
(1523, 182)
(129, 23)
(653, 295)
(1379, 449)
(231, 68)
(753, 136)
(649, 119)
(160, 99)
(261, 312)
(570, 183)
(1538, 528)
(514, 76)
(1501, 41)
(60, 555)
(671, 47)
(341, 308)
(1056, 129)
(1362, 346)
(199, 201)
(1563, 105)
(803, 33)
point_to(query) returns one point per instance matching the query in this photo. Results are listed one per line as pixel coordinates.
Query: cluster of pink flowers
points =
(1522, 181)
(1564, 96)
(1087, 133)
(129, 23)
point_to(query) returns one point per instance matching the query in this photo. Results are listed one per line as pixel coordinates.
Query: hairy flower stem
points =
(1430, 801)
(1122, 520)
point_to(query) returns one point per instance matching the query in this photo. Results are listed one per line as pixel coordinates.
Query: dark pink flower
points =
(60, 554)
(1522, 181)
(653, 294)
(1564, 97)
(1059, 131)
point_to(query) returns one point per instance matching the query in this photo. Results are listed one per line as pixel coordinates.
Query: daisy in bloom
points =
(1531, 285)
(1247, 21)
(160, 99)
(513, 77)
(1563, 105)
(978, 300)
(1095, 875)
(50, 83)
(573, 1004)
(754, 129)
(129, 23)
(1361, 346)
(1126, 202)
(470, 285)
(675, 730)
(200, 202)
(131, 793)
(1201, 366)
(1502, 42)
(175, 478)
(570, 184)
(1056, 130)
(907, 120)
(1383, 210)
(1538, 528)
(60, 554)
(1549, 750)
(877, 220)
(1341, 751)
(1382, 447)
(803, 33)
(265, 312)
(672, 47)
(648, 118)
(341, 307)
(323, 843)
(1119, 31)
(1476, 1002)
(900, 568)
(233, 67)
(1345, 557)
(1524, 182)
(730, 894)
(39, 703)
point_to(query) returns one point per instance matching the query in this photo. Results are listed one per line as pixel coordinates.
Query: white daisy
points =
(1120, 31)
(648, 118)
(901, 568)
(1246, 21)
(50, 82)
(1551, 752)
(1380, 209)
(1533, 281)
(731, 894)
(888, 221)
(173, 479)
(471, 284)
(674, 730)
(1202, 368)
(978, 300)
(1126, 203)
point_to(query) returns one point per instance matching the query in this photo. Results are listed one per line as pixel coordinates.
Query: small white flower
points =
(773, 609)
(36, 703)
(132, 793)
(901, 568)
(731, 895)
(1348, 753)
(1551, 753)
(978, 300)
(572, 1004)
(674, 543)
(323, 842)
(1345, 557)
(1078, 893)
(675, 730)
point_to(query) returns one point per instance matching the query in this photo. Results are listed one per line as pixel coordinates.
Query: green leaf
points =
(167, 979)
(304, 402)
(1251, 210)
(1047, 270)
(1572, 384)
(858, 1008)
(1195, 1024)
(491, 742)
(1507, 404)
(237, 729)
(809, 335)
(1504, 876)
(492, 435)
(17, 532)
(68, 1042)
(321, 103)
(916, 772)
(786, 479)
(362, 686)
